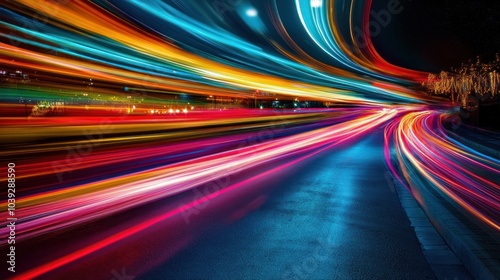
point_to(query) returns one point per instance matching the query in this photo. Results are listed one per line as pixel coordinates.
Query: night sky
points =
(435, 35)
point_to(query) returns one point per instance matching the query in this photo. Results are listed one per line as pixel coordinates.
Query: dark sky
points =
(434, 35)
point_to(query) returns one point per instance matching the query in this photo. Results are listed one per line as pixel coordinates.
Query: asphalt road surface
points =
(334, 217)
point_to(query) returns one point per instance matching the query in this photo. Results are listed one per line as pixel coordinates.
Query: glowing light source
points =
(251, 12)
(316, 3)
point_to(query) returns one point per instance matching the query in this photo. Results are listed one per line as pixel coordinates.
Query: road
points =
(334, 217)
(146, 205)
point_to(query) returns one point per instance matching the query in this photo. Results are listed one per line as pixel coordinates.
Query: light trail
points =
(113, 49)
(470, 179)
(57, 210)
(114, 63)
(62, 208)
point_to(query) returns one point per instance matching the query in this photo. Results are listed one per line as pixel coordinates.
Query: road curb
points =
(442, 259)
(478, 251)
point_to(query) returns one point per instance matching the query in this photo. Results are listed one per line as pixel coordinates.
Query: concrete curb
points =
(442, 259)
(478, 251)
